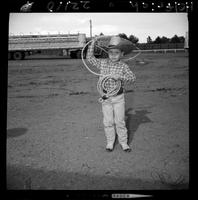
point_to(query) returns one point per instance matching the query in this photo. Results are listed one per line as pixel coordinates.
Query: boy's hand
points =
(95, 40)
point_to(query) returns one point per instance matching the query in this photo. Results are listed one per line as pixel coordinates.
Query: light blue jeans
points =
(114, 119)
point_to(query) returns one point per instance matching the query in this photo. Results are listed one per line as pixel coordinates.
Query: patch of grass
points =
(165, 89)
(78, 93)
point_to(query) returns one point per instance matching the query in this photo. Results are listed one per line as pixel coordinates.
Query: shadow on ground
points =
(26, 178)
(15, 132)
(134, 120)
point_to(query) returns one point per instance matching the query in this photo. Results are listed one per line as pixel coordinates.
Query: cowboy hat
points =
(124, 45)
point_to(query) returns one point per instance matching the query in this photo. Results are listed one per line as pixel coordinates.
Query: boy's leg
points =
(108, 121)
(119, 112)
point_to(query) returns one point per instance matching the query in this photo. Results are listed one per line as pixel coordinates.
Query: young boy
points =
(113, 107)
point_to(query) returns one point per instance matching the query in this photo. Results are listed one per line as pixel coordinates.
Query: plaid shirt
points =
(106, 67)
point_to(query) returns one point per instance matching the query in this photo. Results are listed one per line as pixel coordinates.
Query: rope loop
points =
(101, 85)
(99, 37)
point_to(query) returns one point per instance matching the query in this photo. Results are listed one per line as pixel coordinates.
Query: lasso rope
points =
(105, 93)
(104, 78)
(133, 56)
(82, 55)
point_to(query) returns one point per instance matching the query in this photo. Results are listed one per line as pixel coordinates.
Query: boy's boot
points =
(110, 146)
(125, 147)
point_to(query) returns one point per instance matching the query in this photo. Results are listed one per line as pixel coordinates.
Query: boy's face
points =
(115, 54)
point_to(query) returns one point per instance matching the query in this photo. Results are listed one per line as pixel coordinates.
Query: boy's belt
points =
(119, 92)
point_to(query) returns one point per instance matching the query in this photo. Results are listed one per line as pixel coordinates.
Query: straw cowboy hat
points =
(124, 45)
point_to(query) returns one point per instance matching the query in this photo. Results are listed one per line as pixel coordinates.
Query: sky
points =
(140, 25)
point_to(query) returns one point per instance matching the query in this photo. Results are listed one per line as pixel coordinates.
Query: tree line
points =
(158, 40)
(163, 40)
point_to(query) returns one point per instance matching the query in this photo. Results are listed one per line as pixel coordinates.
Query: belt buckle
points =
(102, 99)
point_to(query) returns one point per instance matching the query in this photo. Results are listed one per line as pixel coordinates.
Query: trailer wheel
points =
(18, 55)
(78, 54)
(73, 54)
(84, 55)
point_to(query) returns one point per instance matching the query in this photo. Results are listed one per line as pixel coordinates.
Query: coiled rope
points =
(101, 85)
(102, 89)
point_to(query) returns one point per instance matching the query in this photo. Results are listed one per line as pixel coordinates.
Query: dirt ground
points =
(55, 136)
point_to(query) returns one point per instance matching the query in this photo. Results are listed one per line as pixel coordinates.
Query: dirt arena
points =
(55, 136)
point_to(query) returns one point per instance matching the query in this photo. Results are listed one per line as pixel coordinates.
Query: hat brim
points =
(124, 46)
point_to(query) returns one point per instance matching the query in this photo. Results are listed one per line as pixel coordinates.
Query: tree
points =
(133, 39)
(149, 40)
(157, 40)
(165, 40)
(175, 39)
(101, 34)
(182, 39)
(123, 35)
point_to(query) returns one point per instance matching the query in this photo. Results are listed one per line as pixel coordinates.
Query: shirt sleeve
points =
(91, 58)
(128, 75)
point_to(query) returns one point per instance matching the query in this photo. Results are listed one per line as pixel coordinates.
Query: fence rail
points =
(161, 50)
(147, 46)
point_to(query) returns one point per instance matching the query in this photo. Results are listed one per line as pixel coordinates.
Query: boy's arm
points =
(128, 75)
(90, 56)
